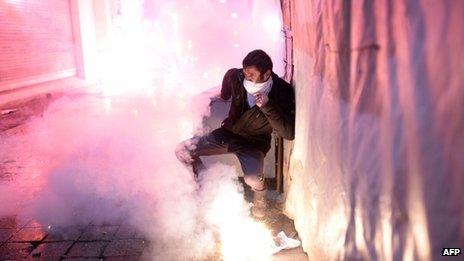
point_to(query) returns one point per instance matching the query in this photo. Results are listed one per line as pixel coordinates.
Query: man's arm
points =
(227, 83)
(281, 116)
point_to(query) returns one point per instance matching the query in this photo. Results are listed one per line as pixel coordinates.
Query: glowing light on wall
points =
(173, 45)
(272, 25)
(123, 67)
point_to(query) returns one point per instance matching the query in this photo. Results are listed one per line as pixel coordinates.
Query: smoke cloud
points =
(103, 158)
(85, 162)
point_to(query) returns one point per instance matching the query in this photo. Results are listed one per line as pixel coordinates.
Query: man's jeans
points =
(215, 143)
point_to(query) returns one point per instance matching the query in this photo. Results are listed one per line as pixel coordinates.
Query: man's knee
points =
(256, 182)
(184, 152)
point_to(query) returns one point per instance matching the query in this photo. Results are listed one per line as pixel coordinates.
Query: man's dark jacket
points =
(252, 127)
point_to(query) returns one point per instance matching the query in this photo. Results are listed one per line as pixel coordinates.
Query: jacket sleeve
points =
(281, 114)
(227, 83)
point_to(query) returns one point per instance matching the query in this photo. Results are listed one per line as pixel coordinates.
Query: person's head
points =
(257, 66)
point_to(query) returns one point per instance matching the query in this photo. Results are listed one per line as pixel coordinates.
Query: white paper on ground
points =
(283, 242)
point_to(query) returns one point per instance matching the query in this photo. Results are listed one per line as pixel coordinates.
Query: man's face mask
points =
(253, 88)
(254, 81)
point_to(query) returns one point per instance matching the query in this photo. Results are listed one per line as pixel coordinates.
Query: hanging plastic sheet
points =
(377, 166)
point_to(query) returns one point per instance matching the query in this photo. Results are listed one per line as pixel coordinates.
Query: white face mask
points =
(253, 88)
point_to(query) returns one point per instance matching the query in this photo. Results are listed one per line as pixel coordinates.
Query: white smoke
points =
(83, 162)
(102, 158)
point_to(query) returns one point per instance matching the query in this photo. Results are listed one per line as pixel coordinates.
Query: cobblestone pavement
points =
(31, 240)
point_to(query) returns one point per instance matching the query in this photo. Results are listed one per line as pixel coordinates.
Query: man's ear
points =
(267, 74)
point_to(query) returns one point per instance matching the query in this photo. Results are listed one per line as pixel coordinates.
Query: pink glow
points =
(102, 157)
(186, 44)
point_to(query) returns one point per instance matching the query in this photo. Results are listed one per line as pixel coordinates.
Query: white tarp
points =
(377, 165)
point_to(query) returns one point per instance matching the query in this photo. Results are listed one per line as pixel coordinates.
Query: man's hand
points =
(261, 99)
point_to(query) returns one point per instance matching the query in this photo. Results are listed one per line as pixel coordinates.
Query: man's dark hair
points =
(259, 59)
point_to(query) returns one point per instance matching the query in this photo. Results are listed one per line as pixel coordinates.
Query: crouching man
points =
(260, 103)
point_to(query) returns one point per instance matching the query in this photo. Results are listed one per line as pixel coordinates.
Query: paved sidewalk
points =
(31, 241)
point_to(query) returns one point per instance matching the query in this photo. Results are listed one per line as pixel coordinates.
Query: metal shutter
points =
(36, 42)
